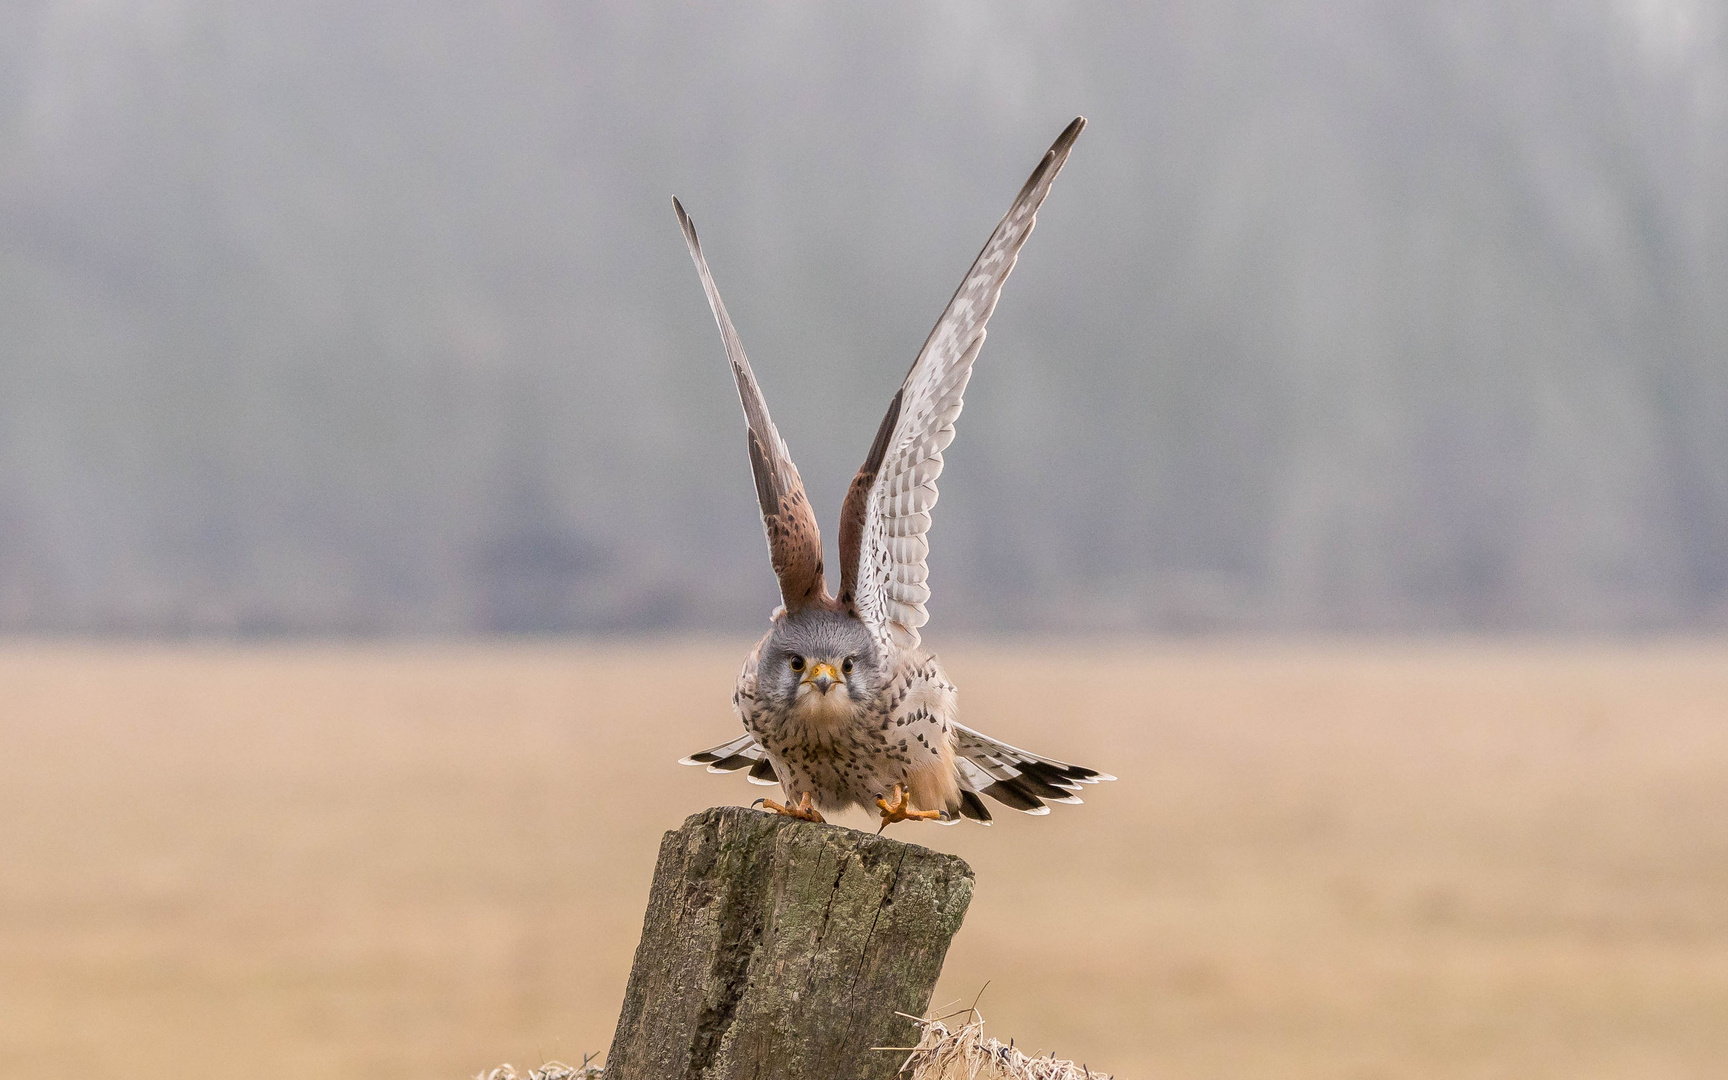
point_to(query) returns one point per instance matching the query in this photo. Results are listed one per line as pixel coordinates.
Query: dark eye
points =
(797, 663)
(846, 666)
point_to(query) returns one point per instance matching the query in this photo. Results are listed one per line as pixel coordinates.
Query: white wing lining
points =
(892, 572)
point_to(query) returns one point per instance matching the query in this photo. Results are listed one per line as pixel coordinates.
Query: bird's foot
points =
(802, 810)
(899, 809)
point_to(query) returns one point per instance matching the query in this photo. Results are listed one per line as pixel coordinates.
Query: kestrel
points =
(842, 704)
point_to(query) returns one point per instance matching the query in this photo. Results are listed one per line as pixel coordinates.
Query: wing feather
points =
(794, 541)
(887, 510)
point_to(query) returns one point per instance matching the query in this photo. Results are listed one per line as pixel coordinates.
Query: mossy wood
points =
(775, 948)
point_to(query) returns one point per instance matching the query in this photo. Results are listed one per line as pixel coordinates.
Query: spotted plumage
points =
(841, 702)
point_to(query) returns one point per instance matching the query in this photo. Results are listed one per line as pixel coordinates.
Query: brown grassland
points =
(1344, 861)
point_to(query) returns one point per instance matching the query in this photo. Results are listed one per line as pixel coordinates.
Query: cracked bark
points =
(775, 948)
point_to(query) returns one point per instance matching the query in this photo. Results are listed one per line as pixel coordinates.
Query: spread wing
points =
(887, 510)
(794, 542)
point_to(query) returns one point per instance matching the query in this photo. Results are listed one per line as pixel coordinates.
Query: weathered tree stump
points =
(777, 948)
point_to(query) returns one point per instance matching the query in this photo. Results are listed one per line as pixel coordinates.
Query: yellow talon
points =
(803, 811)
(899, 810)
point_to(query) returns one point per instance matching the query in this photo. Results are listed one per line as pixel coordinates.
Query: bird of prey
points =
(841, 702)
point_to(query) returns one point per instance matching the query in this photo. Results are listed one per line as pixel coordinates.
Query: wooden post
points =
(775, 948)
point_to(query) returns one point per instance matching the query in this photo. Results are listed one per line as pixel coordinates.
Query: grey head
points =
(818, 651)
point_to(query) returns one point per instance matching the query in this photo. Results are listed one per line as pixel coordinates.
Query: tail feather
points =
(973, 807)
(764, 773)
(1014, 777)
(1033, 784)
(728, 756)
(1011, 794)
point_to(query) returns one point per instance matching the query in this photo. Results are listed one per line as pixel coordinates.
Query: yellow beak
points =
(822, 676)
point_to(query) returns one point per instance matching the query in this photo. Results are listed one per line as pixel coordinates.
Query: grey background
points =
(324, 317)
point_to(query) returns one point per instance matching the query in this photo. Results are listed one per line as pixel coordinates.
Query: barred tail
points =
(1014, 777)
(742, 752)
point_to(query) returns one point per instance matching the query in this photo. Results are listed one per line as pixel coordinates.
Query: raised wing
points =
(794, 542)
(887, 510)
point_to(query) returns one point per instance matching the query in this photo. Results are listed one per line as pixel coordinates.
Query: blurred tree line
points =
(321, 317)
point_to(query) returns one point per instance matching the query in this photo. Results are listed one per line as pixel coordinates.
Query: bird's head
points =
(820, 657)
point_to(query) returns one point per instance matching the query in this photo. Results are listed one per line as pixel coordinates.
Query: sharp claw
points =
(803, 809)
(810, 812)
(900, 809)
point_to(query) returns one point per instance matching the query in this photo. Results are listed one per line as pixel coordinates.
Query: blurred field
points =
(1345, 861)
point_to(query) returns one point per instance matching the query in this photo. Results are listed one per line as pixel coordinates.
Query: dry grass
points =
(964, 1052)
(552, 1070)
(1436, 862)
